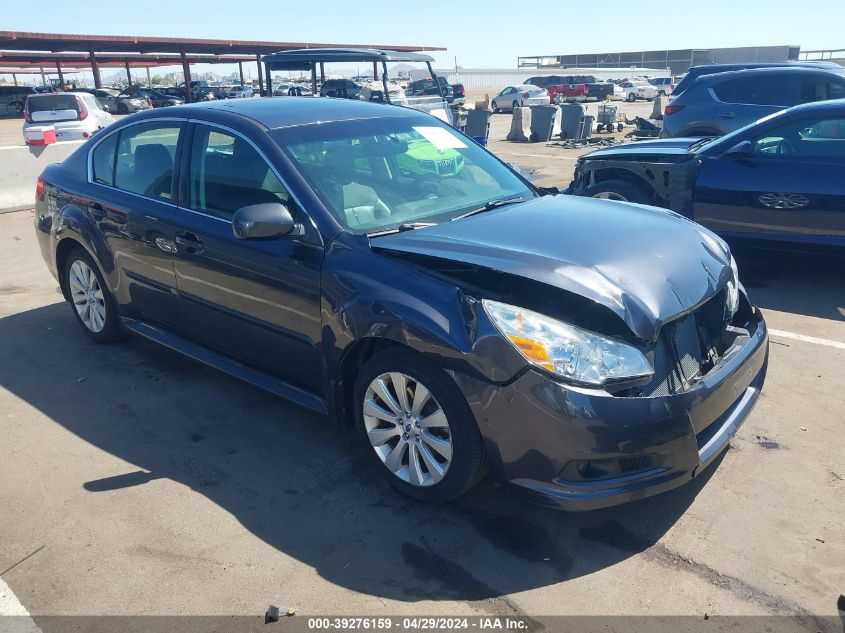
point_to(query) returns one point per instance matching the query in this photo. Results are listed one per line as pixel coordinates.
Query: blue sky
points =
(492, 35)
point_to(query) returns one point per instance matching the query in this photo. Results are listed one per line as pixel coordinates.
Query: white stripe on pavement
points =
(14, 618)
(808, 339)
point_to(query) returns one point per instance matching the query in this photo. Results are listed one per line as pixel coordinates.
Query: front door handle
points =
(189, 243)
(727, 115)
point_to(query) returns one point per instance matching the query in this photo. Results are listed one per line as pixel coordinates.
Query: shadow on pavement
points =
(811, 284)
(297, 482)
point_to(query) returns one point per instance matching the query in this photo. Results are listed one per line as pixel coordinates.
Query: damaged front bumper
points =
(581, 449)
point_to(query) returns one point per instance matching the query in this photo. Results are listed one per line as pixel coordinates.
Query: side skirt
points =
(253, 376)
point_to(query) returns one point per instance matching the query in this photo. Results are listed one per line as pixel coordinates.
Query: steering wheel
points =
(785, 146)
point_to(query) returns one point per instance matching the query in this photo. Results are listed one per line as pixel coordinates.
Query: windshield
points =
(379, 174)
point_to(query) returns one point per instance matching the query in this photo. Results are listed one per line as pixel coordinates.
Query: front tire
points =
(417, 426)
(620, 191)
(91, 302)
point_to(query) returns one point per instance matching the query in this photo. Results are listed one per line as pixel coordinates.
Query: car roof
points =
(828, 104)
(765, 72)
(278, 112)
(716, 68)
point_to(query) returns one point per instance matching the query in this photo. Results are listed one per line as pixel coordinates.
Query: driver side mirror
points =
(742, 150)
(265, 221)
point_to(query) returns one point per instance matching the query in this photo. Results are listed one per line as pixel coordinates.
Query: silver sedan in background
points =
(519, 96)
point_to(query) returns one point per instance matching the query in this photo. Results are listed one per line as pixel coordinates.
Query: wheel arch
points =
(604, 174)
(76, 230)
(351, 360)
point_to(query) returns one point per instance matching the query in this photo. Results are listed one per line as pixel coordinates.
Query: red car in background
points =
(558, 88)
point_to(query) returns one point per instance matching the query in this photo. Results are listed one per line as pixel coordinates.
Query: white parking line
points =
(11, 607)
(808, 339)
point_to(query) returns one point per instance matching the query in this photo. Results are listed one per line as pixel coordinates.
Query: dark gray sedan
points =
(462, 320)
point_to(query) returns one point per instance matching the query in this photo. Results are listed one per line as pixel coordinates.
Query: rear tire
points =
(91, 302)
(417, 426)
(515, 105)
(122, 108)
(631, 97)
(619, 190)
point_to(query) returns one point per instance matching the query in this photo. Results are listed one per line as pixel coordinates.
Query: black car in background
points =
(779, 180)
(198, 93)
(13, 99)
(464, 321)
(453, 93)
(340, 88)
(156, 98)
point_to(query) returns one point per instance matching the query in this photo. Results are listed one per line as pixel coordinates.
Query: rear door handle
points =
(189, 243)
(727, 115)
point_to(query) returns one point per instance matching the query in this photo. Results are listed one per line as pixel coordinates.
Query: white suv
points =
(74, 115)
(664, 85)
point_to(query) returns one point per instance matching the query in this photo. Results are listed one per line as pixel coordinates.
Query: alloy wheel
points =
(87, 296)
(407, 429)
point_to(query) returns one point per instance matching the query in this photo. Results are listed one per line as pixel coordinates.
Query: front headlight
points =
(566, 350)
(733, 290)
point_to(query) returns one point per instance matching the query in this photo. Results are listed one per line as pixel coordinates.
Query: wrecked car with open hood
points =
(371, 263)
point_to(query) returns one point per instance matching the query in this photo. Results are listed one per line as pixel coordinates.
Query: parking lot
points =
(140, 483)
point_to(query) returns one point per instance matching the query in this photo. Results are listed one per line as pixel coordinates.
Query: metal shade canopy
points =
(304, 58)
(309, 58)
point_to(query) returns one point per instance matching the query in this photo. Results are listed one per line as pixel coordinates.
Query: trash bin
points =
(573, 113)
(587, 130)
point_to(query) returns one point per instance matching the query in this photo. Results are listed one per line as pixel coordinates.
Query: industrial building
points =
(679, 60)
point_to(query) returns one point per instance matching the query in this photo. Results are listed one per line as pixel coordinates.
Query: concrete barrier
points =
(20, 166)
(520, 125)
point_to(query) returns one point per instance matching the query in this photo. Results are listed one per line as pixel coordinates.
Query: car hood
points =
(647, 265)
(670, 147)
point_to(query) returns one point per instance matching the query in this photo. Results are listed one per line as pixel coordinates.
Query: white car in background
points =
(519, 96)
(241, 92)
(75, 116)
(291, 90)
(638, 89)
(374, 91)
(619, 93)
(664, 85)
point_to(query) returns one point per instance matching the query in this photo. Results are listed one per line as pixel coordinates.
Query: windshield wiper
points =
(408, 226)
(701, 142)
(489, 206)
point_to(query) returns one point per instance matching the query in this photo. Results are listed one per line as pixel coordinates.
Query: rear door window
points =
(769, 90)
(146, 156)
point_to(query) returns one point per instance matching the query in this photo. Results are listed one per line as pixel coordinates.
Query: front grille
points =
(687, 347)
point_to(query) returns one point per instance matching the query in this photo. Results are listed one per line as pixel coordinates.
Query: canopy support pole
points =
(260, 76)
(186, 70)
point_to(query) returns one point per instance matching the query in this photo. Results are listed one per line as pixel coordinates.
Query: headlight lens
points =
(566, 350)
(733, 290)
